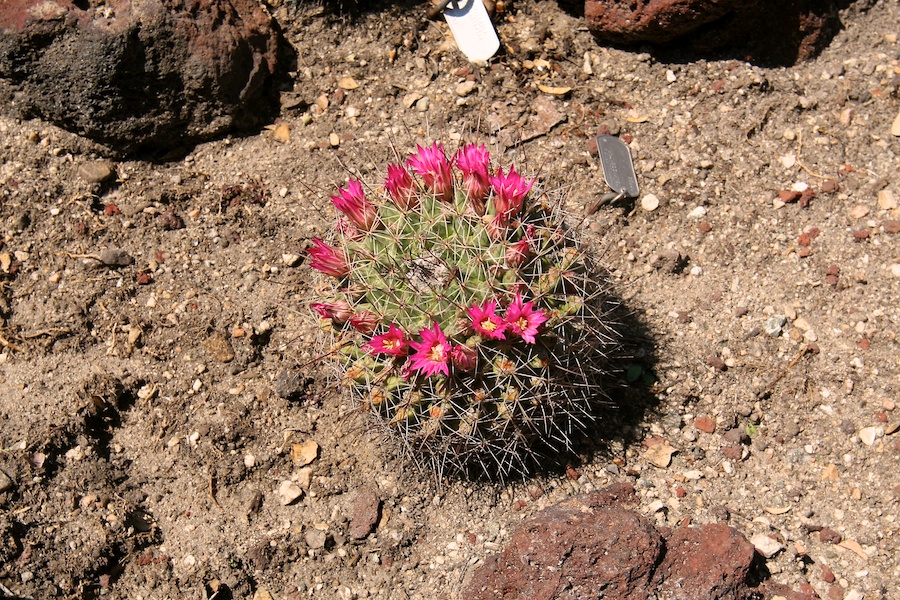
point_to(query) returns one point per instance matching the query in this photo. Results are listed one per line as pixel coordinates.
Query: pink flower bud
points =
(327, 259)
(364, 322)
(352, 201)
(400, 187)
(338, 311)
(518, 253)
(463, 357)
(433, 167)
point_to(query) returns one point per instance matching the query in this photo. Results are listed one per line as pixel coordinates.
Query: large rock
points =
(138, 75)
(593, 546)
(712, 561)
(769, 31)
(589, 547)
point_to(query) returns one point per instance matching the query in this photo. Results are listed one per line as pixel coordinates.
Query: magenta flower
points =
(523, 320)
(400, 187)
(432, 353)
(364, 321)
(328, 260)
(393, 342)
(463, 357)
(510, 190)
(432, 165)
(485, 322)
(474, 162)
(338, 311)
(352, 201)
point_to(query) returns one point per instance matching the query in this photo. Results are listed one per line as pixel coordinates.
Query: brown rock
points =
(706, 562)
(892, 226)
(365, 512)
(770, 31)
(149, 75)
(830, 536)
(705, 424)
(583, 548)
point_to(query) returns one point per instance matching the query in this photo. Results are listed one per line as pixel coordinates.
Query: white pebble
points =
(766, 545)
(697, 213)
(868, 435)
(650, 202)
(670, 76)
(697, 271)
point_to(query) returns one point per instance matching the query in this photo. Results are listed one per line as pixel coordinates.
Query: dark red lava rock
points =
(139, 76)
(766, 30)
(705, 562)
(364, 512)
(582, 548)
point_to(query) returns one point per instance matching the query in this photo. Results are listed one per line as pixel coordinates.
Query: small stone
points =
(788, 196)
(169, 221)
(305, 453)
(660, 455)
(830, 536)
(290, 384)
(774, 324)
(334, 140)
(219, 348)
(364, 512)
(97, 171)
(423, 104)
(656, 506)
(650, 202)
(315, 538)
(697, 213)
(868, 435)
(737, 436)
(765, 545)
(409, 100)
(705, 424)
(289, 492)
(290, 260)
(465, 88)
(886, 200)
(347, 83)
(895, 126)
(859, 211)
(115, 257)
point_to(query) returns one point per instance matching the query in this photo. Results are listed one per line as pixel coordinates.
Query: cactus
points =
(465, 313)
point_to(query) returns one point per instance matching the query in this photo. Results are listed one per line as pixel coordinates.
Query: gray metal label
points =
(618, 169)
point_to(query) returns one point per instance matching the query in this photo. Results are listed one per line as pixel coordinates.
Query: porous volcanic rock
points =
(711, 561)
(575, 550)
(138, 75)
(769, 31)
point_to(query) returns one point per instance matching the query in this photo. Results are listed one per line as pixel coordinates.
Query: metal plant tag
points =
(618, 168)
(472, 29)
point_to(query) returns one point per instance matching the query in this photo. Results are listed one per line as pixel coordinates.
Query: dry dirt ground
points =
(148, 411)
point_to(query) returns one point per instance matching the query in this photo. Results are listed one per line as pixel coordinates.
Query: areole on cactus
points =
(466, 315)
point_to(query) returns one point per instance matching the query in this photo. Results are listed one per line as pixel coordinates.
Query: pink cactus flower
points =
(463, 357)
(338, 311)
(432, 353)
(364, 321)
(327, 259)
(393, 342)
(523, 320)
(432, 165)
(474, 162)
(518, 253)
(352, 201)
(486, 323)
(510, 190)
(400, 187)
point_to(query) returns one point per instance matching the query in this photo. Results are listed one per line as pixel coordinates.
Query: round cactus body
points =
(465, 314)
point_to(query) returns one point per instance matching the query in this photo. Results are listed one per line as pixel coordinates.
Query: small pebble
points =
(774, 324)
(697, 213)
(97, 171)
(705, 424)
(289, 492)
(868, 435)
(465, 88)
(115, 257)
(766, 545)
(650, 202)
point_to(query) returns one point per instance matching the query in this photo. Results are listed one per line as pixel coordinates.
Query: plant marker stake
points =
(618, 168)
(472, 29)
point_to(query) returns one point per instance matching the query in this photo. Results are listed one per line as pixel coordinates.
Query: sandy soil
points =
(148, 411)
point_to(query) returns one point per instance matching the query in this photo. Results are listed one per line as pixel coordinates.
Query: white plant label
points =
(472, 29)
